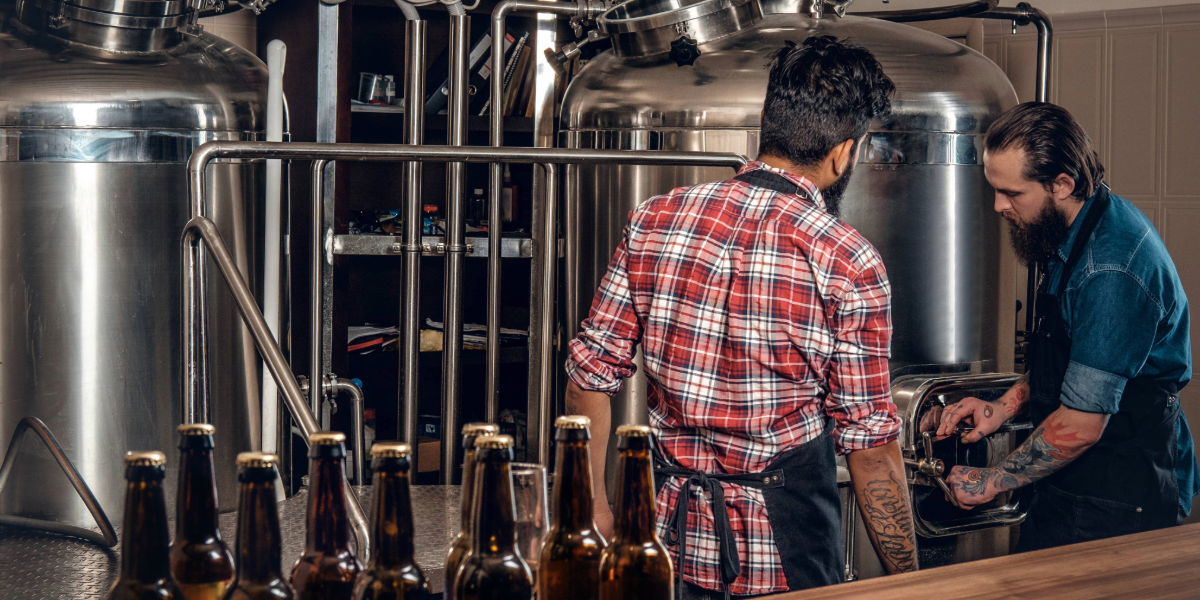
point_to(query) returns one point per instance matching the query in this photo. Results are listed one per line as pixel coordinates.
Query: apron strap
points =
(770, 180)
(677, 521)
(1100, 205)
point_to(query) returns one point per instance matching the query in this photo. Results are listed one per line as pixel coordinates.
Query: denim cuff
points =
(1092, 390)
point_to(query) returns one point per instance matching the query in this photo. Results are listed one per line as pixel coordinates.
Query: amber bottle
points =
(569, 568)
(493, 569)
(259, 545)
(145, 541)
(326, 570)
(461, 545)
(635, 564)
(393, 573)
(200, 560)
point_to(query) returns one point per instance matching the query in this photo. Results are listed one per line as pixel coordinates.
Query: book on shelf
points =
(514, 54)
(517, 79)
(528, 82)
(480, 71)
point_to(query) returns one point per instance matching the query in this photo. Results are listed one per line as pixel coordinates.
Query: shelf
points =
(376, 108)
(507, 355)
(387, 245)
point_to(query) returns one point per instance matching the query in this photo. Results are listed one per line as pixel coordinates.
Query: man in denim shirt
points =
(1112, 453)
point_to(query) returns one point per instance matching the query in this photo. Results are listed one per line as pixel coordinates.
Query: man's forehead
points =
(1007, 166)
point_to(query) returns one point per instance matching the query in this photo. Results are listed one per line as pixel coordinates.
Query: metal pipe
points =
(1024, 14)
(410, 310)
(316, 371)
(348, 387)
(456, 249)
(968, 9)
(496, 176)
(549, 274)
(198, 229)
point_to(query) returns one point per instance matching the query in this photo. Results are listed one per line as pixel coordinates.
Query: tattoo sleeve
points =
(888, 518)
(1018, 397)
(1055, 442)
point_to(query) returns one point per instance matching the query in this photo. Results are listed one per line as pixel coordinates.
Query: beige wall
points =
(1132, 79)
(239, 27)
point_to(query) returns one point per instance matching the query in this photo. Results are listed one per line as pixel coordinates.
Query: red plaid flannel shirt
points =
(760, 316)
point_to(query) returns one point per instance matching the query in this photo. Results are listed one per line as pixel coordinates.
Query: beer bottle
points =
(259, 546)
(635, 564)
(145, 541)
(326, 570)
(392, 573)
(461, 545)
(569, 568)
(200, 561)
(493, 569)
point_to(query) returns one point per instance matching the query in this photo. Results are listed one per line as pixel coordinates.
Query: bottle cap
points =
(494, 442)
(148, 458)
(195, 429)
(478, 429)
(257, 460)
(327, 438)
(572, 422)
(633, 431)
(391, 450)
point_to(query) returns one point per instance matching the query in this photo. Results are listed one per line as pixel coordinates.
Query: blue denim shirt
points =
(1127, 316)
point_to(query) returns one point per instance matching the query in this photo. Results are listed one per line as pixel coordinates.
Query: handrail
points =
(200, 228)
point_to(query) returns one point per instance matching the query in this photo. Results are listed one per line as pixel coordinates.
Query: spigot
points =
(558, 60)
(932, 468)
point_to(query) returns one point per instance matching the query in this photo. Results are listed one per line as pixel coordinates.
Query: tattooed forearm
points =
(1017, 397)
(889, 518)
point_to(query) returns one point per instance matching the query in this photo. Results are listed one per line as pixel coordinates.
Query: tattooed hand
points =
(972, 486)
(987, 417)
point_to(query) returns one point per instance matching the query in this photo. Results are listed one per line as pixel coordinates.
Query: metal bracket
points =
(59, 20)
(106, 537)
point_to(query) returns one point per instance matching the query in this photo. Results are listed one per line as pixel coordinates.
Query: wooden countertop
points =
(1147, 566)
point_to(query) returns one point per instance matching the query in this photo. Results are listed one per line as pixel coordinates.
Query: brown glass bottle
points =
(145, 570)
(326, 570)
(392, 574)
(635, 564)
(569, 568)
(200, 560)
(259, 545)
(493, 569)
(461, 545)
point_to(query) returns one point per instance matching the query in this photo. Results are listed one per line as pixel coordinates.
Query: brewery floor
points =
(39, 566)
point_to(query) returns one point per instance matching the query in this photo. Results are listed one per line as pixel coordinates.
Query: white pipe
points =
(410, 13)
(276, 58)
(455, 7)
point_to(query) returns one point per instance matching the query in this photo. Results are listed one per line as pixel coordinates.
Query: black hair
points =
(1054, 143)
(820, 94)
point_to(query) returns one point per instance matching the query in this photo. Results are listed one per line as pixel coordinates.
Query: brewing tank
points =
(918, 193)
(101, 104)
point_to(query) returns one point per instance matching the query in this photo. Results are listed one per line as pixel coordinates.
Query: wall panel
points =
(1182, 113)
(1133, 76)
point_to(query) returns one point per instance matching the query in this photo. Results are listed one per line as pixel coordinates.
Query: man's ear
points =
(1062, 187)
(841, 158)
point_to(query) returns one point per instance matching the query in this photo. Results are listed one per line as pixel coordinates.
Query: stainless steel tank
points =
(918, 194)
(101, 103)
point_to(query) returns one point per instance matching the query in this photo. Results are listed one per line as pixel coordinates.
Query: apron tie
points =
(677, 522)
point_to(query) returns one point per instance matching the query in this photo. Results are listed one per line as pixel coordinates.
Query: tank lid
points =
(647, 27)
(118, 26)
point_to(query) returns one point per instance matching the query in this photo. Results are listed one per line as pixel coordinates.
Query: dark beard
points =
(833, 193)
(1038, 241)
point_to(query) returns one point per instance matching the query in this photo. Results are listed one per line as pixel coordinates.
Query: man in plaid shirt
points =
(765, 325)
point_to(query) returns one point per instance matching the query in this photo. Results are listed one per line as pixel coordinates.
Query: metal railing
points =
(200, 233)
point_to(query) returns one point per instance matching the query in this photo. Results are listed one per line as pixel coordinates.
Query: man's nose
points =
(1001, 203)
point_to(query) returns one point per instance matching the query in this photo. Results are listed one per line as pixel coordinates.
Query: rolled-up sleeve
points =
(859, 399)
(1113, 325)
(600, 358)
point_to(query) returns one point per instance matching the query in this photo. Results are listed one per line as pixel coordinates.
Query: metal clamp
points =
(932, 468)
(106, 537)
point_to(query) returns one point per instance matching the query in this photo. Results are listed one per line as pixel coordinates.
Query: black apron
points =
(799, 488)
(1126, 482)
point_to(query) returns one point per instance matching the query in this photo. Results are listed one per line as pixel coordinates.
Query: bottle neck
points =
(634, 518)
(259, 545)
(145, 540)
(573, 486)
(328, 526)
(393, 515)
(492, 504)
(196, 518)
(468, 493)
